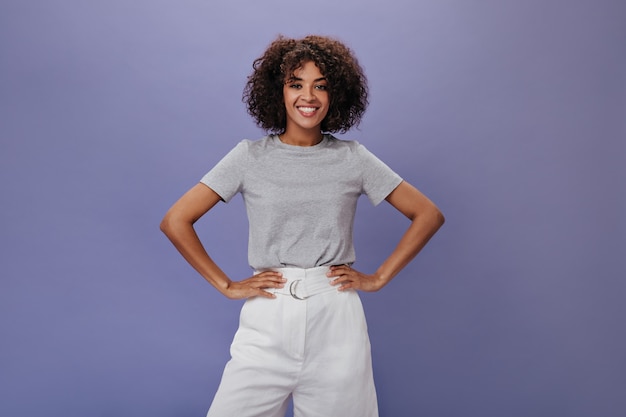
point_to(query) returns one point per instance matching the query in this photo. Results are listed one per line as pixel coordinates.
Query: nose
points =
(308, 94)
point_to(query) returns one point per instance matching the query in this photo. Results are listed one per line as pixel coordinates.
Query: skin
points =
(305, 89)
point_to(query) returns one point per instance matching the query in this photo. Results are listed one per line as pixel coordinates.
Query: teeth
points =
(307, 109)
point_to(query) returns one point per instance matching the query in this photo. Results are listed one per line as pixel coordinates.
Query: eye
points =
(321, 87)
(296, 86)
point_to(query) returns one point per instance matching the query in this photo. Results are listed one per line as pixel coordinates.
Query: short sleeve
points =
(226, 178)
(378, 179)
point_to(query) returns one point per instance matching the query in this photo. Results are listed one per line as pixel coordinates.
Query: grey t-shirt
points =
(301, 201)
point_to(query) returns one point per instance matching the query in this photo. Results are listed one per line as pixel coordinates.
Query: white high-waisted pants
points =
(316, 350)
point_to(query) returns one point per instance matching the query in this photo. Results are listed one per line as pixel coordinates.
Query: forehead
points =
(306, 70)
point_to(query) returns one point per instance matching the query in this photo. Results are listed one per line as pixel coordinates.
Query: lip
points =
(307, 113)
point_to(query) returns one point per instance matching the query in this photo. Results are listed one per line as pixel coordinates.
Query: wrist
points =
(222, 285)
(379, 280)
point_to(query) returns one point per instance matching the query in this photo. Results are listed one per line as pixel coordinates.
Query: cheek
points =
(286, 95)
(327, 103)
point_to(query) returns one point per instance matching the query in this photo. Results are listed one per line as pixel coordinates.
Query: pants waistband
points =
(303, 283)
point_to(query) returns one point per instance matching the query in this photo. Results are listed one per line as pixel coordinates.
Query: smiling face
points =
(306, 100)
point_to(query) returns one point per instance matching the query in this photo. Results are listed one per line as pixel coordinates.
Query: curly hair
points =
(347, 84)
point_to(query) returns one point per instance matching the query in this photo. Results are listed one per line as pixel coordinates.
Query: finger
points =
(269, 275)
(273, 279)
(339, 279)
(264, 294)
(251, 292)
(260, 282)
(269, 284)
(336, 271)
(343, 281)
(348, 286)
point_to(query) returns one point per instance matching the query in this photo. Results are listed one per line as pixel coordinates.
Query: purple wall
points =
(509, 114)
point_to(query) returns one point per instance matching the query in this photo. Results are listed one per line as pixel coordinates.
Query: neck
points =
(302, 138)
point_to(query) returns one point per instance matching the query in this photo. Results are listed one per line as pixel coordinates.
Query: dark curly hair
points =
(347, 84)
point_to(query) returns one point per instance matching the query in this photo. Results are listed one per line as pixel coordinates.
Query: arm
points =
(178, 227)
(425, 218)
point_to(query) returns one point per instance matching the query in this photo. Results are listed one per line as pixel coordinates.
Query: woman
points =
(302, 330)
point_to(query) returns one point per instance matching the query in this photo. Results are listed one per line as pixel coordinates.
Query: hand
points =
(351, 279)
(253, 286)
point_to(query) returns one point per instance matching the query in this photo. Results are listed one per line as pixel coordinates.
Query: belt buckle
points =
(292, 290)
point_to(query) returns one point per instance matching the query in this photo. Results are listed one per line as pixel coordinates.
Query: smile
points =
(307, 111)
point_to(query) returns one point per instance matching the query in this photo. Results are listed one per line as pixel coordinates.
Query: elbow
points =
(165, 224)
(436, 219)
(432, 216)
(174, 222)
(168, 224)
(440, 219)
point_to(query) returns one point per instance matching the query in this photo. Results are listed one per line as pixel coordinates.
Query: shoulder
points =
(261, 143)
(355, 148)
(258, 147)
(247, 148)
(352, 146)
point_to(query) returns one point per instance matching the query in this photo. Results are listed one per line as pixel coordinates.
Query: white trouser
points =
(315, 349)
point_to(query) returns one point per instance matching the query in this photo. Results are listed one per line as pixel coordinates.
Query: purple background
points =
(510, 115)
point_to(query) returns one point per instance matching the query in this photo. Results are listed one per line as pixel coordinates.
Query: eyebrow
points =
(300, 79)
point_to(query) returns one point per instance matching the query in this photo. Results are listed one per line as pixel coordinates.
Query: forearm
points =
(183, 236)
(423, 227)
